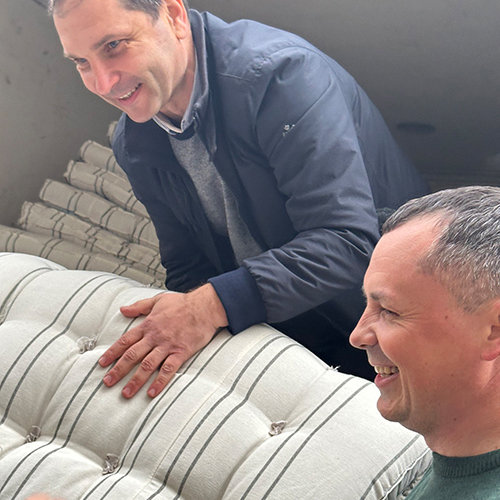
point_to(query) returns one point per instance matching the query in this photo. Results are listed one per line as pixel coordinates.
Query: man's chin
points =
(135, 115)
(390, 411)
(138, 119)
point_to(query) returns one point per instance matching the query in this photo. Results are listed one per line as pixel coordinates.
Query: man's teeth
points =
(126, 96)
(385, 371)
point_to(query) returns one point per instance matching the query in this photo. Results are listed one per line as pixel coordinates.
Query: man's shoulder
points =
(242, 48)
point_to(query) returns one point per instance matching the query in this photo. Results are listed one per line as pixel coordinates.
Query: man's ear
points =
(491, 348)
(174, 13)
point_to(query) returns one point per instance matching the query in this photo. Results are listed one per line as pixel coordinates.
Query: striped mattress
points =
(253, 416)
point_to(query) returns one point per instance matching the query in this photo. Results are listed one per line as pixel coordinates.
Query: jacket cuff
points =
(241, 299)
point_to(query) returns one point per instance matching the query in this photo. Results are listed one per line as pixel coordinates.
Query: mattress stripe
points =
(228, 416)
(53, 339)
(63, 414)
(408, 470)
(68, 438)
(79, 264)
(311, 434)
(223, 421)
(299, 429)
(14, 236)
(42, 331)
(5, 307)
(55, 242)
(391, 462)
(73, 397)
(158, 420)
(162, 416)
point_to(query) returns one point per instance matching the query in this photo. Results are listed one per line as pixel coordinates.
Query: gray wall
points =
(45, 112)
(430, 61)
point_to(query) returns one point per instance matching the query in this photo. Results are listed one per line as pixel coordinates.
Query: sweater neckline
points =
(459, 467)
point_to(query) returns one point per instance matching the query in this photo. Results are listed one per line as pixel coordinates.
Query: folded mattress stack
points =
(92, 221)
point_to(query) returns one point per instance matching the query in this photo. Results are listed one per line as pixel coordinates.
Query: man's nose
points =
(103, 80)
(363, 336)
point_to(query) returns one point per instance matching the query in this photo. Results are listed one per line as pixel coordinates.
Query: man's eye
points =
(387, 312)
(112, 45)
(79, 61)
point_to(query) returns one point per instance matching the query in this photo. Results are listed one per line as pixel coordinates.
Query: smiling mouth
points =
(386, 371)
(129, 94)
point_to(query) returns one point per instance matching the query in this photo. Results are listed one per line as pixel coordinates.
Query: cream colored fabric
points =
(71, 255)
(252, 416)
(42, 219)
(101, 156)
(100, 212)
(107, 184)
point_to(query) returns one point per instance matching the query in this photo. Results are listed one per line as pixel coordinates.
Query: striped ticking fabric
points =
(39, 218)
(93, 221)
(252, 416)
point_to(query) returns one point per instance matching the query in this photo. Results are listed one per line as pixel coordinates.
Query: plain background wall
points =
(45, 112)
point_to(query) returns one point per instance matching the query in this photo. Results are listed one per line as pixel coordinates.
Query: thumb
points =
(141, 307)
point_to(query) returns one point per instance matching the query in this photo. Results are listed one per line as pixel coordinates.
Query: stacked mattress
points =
(92, 221)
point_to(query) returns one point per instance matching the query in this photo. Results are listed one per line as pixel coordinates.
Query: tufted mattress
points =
(252, 416)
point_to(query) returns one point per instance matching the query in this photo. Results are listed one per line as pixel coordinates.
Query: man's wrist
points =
(206, 300)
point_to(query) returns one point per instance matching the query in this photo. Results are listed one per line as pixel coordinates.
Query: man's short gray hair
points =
(465, 257)
(151, 7)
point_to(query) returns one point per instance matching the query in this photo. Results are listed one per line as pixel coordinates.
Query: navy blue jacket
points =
(308, 158)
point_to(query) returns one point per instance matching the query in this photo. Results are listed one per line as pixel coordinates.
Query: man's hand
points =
(177, 326)
(39, 497)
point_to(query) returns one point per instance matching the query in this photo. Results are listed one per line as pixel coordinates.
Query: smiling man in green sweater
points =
(431, 330)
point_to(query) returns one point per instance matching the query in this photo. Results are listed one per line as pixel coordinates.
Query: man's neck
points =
(177, 106)
(472, 432)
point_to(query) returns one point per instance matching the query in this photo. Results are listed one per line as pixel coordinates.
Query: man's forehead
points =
(63, 7)
(88, 24)
(395, 262)
(414, 236)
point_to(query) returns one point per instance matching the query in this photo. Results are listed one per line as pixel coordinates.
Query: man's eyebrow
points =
(376, 296)
(105, 39)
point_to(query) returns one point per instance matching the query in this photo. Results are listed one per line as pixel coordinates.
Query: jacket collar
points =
(203, 113)
(199, 112)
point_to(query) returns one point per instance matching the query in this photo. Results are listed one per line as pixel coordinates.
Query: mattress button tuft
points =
(85, 344)
(34, 433)
(277, 428)
(110, 464)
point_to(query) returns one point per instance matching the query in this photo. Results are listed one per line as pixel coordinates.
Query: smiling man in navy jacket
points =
(262, 164)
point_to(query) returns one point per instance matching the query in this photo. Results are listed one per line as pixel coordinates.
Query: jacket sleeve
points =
(304, 128)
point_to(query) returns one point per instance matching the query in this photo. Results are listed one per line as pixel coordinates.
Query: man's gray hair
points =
(151, 7)
(465, 257)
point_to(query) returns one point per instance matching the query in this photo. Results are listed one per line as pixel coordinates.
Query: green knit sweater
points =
(460, 478)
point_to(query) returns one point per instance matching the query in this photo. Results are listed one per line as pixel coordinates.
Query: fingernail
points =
(152, 393)
(103, 361)
(127, 392)
(108, 379)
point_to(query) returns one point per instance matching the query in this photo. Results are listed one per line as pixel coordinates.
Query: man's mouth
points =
(129, 94)
(386, 371)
